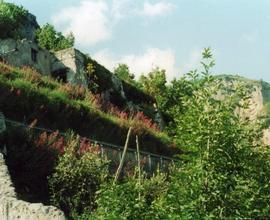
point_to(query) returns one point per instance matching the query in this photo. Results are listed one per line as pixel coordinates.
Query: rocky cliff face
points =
(259, 101)
(28, 29)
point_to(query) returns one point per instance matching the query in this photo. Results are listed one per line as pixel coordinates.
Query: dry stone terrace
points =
(10, 207)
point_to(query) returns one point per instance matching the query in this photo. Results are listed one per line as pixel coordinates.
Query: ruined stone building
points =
(66, 64)
(69, 66)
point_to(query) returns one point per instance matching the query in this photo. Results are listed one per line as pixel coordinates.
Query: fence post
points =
(2, 122)
(119, 155)
(102, 151)
(139, 164)
(149, 163)
(161, 163)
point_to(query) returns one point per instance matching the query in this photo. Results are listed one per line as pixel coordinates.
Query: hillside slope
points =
(27, 96)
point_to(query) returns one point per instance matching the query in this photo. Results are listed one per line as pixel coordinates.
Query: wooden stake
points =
(123, 157)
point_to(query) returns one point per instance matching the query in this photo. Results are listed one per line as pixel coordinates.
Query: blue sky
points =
(166, 33)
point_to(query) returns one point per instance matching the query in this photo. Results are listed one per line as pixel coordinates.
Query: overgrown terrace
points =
(28, 96)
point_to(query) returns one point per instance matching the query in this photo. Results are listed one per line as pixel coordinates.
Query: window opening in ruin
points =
(34, 55)
(60, 75)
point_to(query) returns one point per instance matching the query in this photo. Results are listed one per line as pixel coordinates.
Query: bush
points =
(76, 179)
(130, 199)
(226, 174)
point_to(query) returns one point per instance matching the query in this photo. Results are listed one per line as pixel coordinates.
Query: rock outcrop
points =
(259, 100)
(28, 29)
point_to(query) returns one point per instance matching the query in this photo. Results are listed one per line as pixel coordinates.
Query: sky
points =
(170, 34)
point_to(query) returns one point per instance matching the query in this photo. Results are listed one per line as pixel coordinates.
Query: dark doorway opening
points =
(60, 75)
(34, 54)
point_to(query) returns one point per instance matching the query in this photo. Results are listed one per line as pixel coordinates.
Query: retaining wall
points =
(13, 209)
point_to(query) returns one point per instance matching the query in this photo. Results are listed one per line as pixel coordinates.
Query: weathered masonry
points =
(25, 53)
(66, 65)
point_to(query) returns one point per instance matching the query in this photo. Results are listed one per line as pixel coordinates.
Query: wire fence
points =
(150, 162)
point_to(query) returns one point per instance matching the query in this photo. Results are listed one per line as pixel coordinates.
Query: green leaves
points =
(76, 179)
(122, 200)
(48, 38)
(223, 179)
(123, 72)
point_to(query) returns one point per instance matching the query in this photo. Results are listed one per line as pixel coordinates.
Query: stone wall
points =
(73, 61)
(12, 209)
(25, 53)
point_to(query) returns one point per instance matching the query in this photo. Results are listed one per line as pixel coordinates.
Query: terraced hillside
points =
(29, 97)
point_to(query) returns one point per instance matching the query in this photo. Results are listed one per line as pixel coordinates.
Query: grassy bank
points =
(28, 96)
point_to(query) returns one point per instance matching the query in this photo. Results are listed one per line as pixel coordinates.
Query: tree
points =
(154, 83)
(123, 72)
(226, 175)
(48, 38)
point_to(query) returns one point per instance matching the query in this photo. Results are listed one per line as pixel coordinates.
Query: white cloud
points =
(92, 21)
(141, 63)
(88, 21)
(156, 9)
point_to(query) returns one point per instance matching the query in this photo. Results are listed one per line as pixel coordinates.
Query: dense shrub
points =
(226, 174)
(130, 199)
(76, 178)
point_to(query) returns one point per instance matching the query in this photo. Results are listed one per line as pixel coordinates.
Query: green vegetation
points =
(225, 175)
(12, 17)
(48, 38)
(28, 96)
(77, 177)
(30, 162)
(224, 172)
(122, 71)
(100, 80)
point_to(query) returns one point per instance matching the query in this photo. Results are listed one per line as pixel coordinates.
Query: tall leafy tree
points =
(226, 175)
(123, 72)
(48, 38)
(154, 83)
